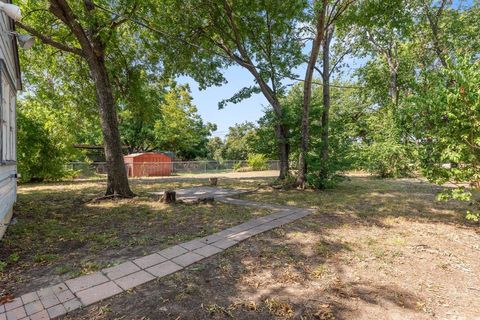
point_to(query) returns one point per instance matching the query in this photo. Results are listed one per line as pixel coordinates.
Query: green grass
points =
(60, 230)
(371, 199)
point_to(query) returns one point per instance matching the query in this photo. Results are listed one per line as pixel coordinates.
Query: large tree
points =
(261, 37)
(180, 128)
(236, 145)
(319, 11)
(80, 29)
(326, 17)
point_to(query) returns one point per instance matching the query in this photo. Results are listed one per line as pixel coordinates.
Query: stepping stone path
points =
(64, 297)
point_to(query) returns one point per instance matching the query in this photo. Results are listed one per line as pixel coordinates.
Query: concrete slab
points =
(208, 251)
(242, 235)
(33, 307)
(225, 243)
(134, 279)
(28, 297)
(15, 303)
(84, 282)
(48, 297)
(73, 304)
(164, 268)
(17, 313)
(262, 228)
(172, 252)
(212, 238)
(187, 259)
(192, 245)
(98, 293)
(42, 315)
(56, 311)
(65, 296)
(150, 260)
(193, 193)
(59, 288)
(121, 270)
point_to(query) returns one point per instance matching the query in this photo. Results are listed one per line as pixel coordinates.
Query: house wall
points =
(8, 47)
(8, 194)
(9, 85)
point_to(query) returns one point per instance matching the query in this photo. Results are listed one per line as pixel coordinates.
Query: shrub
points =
(39, 157)
(388, 159)
(257, 162)
(237, 166)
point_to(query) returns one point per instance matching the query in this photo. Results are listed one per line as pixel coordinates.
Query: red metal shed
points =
(148, 164)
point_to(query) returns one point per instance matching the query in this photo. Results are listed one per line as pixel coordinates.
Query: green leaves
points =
(179, 128)
(257, 162)
(238, 142)
(243, 94)
(43, 146)
(446, 109)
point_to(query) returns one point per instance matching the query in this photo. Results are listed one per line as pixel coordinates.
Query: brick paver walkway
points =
(58, 300)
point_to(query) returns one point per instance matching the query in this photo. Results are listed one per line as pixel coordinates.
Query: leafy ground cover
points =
(60, 233)
(374, 249)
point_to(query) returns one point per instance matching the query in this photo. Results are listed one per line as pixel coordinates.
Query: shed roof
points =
(134, 155)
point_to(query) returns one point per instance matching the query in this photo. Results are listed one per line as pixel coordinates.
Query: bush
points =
(257, 162)
(326, 175)
(237, 166)
(388, 159)
(39, 157)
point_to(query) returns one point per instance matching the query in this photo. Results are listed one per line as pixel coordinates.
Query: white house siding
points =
(8, 195)
(9, 85)
(7, 47)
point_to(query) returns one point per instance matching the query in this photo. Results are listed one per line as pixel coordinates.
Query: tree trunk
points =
(392, 61)
(281, 129)
(307, 96)
(283, 150)
(213, 182)
(326, 105)
(433, 21)
(394, 85)
(93, 51)
(116, 173)
(169, 197)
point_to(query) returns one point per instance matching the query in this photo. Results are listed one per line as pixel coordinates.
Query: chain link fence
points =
(85, 169)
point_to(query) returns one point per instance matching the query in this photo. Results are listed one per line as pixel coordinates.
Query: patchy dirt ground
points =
(60, 233)
(375, 249)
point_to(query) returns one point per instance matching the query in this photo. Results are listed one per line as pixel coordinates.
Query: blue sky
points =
(207, 100)
(250, 109)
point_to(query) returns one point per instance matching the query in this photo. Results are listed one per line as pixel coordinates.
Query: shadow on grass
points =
(271, 275)
(267, 277)
(60, 233)
(373, 200)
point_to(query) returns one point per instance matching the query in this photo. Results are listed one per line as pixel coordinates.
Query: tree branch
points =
(62, 10)
(340, 59)
(318, 70)
(47, 40)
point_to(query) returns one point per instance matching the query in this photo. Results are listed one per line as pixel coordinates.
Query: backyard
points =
(372, 249)
(240, 159)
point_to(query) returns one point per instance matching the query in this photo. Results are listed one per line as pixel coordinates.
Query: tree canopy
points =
(387, 87)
